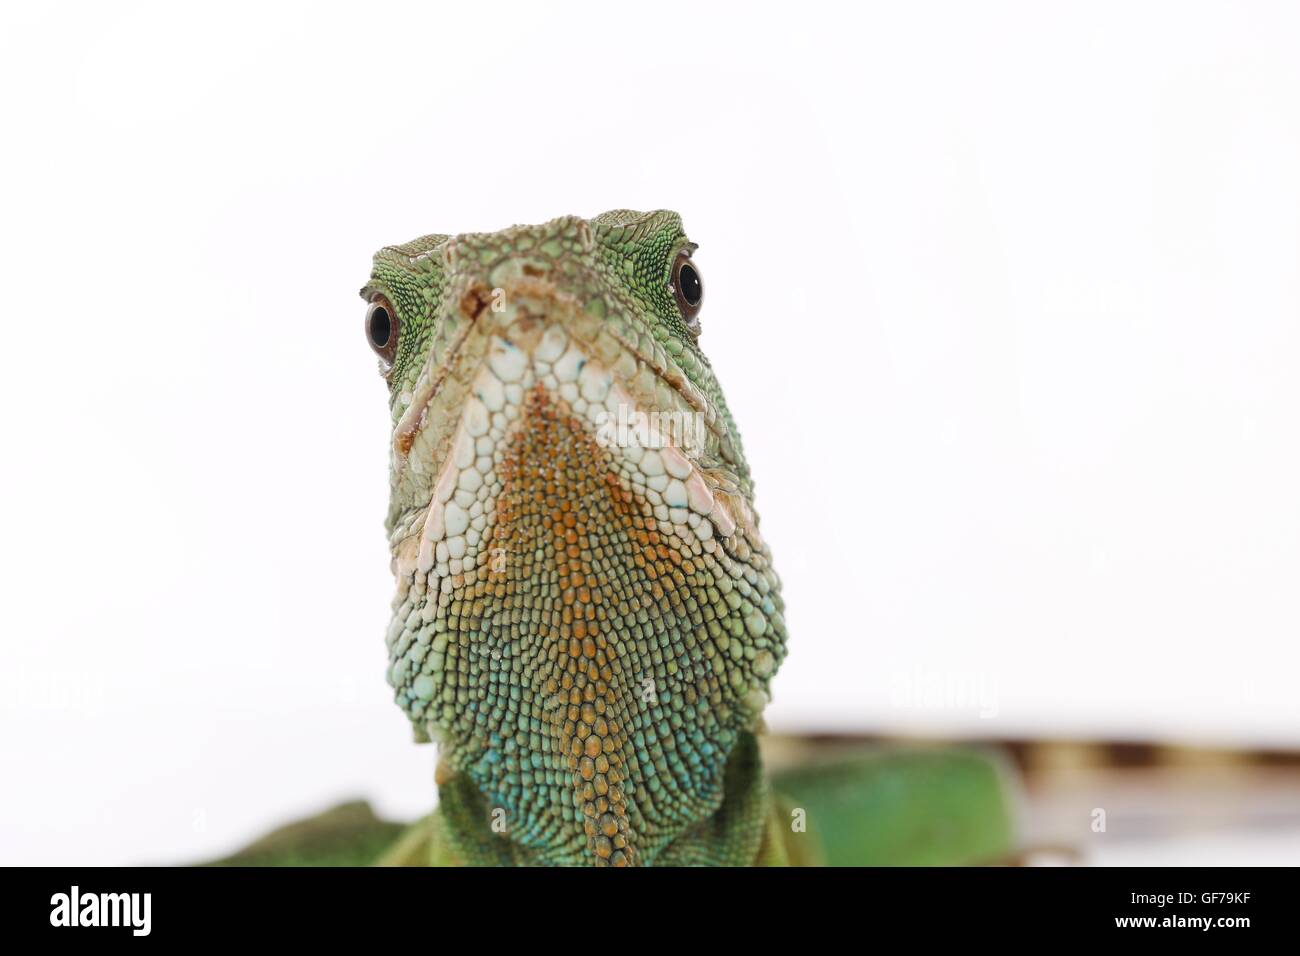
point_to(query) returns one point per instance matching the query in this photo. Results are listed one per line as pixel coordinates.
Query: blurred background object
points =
(1116, 803)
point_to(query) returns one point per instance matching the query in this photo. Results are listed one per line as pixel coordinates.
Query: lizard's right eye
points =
(688, 289)
(382, 329)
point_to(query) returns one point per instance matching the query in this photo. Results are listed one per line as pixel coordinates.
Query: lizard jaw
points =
(658, 452)
(529, 334)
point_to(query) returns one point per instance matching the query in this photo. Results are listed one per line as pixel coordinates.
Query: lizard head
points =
(586, 615)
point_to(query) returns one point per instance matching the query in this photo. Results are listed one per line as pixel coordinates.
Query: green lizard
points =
(587, 619)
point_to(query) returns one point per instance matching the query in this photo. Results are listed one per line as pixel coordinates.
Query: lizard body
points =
(586, 617)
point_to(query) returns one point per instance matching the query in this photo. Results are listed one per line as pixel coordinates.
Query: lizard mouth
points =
(531, 337)
(647, 376)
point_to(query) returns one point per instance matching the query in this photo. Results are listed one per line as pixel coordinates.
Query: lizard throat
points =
(586, 624)
(572, 557)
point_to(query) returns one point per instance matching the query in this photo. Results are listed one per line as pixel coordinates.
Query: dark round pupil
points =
(381, 326)
(688, 283)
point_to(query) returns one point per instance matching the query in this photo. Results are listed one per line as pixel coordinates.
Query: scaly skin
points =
(586, 617)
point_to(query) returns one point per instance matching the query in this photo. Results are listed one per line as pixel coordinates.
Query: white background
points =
(1003, 296)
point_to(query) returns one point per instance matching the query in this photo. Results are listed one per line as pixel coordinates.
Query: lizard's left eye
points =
(382, 329)
(688, 290)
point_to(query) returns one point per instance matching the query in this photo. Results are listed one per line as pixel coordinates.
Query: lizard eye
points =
(382, 328)
(688, 290)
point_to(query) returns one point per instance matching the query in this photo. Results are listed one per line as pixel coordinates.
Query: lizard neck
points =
(611, 736)
(591, 670)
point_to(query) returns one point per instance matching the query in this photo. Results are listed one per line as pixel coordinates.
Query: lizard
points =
(587, 618)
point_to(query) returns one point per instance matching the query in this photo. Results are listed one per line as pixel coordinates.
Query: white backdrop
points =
(1004, 298)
